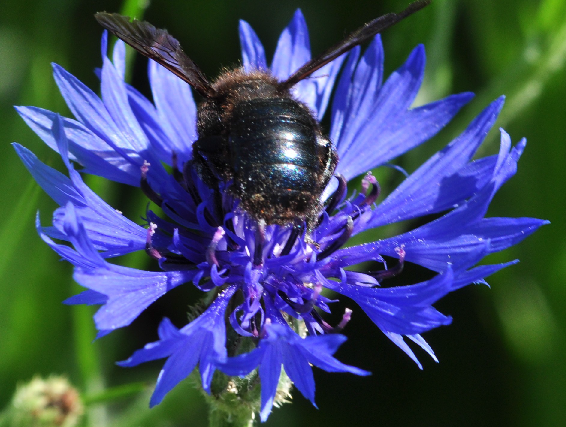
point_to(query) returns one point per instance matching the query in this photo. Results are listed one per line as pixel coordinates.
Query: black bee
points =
(253, 134)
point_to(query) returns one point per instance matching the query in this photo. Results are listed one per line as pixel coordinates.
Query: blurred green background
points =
(502, 358)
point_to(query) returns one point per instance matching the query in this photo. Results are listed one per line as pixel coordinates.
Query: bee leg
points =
(211, 159)
(295, 233)
(229, 225)
(189, 182)
(218, 209)
(309, 240)
(177, 174)
(259, 242)
(146, 188)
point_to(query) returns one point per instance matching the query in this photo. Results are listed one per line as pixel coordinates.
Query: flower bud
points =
(50, 402)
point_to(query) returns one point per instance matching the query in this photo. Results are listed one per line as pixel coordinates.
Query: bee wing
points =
(158, 45)
(357, 37)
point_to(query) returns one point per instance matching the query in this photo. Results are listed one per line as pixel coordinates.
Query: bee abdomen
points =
(276, 158)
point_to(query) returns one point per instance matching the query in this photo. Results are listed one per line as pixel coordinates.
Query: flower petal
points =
(293, 48)
(108, 229)
(253, 54)
(444, 180)
(176, 110)
(89, 150)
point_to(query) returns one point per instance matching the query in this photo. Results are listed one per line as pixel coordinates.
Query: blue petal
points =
(404, 310)
(119, 58)
(104, 44)
(201, 341)
(293, 49)
(478, 274)
(76, 234)
(372, 124)
(443, 180)
(245, 363)
(170, 340)
(176, 369)
(97, 156)
(357, 90)
(111, 120)
(58, 186)
(176, 110)
(152, 125)
(417, 339)
(253, 55)
(269, 372)
(451, 238)
(282, 346)
(115, 99)
(67, 253)
(298, 371)
(129, 291)
(380, 113)
(87, 297)
(315, 91)
(398, 340)
(320, 349)
(107, 228)
(91, 111)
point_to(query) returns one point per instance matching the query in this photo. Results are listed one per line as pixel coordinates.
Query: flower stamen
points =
(375, 190)
(338, 195)
(146, 188)
(259, 242)
(396, 270)
(339, 242)
(211, 250)
(345, 319)
(151, 251)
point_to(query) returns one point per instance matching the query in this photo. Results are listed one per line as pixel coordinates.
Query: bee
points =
(253, 134)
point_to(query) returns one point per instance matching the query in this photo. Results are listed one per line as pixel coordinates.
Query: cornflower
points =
(265, 294)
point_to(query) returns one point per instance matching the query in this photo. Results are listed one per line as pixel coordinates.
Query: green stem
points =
(89, 362)
(112, 394)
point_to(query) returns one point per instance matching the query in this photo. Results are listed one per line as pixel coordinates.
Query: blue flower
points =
(279, 347)
(201, 341)
(200, 236)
